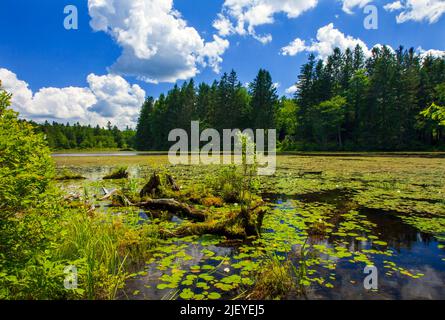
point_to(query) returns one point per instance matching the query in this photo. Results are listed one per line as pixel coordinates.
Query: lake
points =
(330, 216)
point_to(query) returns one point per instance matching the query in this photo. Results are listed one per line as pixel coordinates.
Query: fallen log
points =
(248, 226)
(173, 206)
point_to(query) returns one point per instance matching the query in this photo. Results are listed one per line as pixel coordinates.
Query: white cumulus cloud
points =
(107, 98)
(349, 5)
(243, 16)
(294, 47)
(393, 6)
(417, 10)
(328, 38)
(291, 90)
(157, 44)
(432, 52)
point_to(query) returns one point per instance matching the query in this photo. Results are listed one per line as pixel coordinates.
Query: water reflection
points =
(414, 251)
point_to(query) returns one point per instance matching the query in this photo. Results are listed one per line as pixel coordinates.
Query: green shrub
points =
(26, 166)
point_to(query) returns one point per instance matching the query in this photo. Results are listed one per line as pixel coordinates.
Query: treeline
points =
(225, 104)
(393, 100)
(390, 101)
(76, 136)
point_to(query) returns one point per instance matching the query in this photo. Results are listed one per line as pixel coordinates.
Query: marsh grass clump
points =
(129, 188)
(119, 173)
(104, 248)
(275, 280)
(228, 183)
(235, 184)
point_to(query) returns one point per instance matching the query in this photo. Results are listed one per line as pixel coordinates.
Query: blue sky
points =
(87, 74)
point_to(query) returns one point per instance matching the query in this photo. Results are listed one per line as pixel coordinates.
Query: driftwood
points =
(120, 173)
(173, 206)
(72, 197)
(120, 200)
(108, 194)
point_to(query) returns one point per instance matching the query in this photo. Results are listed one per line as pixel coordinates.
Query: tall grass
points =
(275, 280)
(104, 246)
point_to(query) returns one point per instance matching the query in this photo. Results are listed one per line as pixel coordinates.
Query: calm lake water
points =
(117, 154)
(414, 251)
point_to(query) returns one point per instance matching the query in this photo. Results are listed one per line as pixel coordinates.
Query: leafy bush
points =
(26, 167)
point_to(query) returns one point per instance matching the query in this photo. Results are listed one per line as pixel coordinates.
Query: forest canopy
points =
(393, 100)
(81, 137)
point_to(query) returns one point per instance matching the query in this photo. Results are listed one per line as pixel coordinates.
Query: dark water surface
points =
(413, 250)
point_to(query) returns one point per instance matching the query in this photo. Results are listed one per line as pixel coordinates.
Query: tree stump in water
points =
(151, 187)
(172, 183)
(154, 185)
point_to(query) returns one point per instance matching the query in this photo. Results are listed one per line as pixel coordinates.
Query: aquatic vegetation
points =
(325, 215)
(276, 280)
(432, 225)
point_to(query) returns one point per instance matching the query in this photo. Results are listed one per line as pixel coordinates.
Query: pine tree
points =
(264, 100)
(143, 140)
(304, 98)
